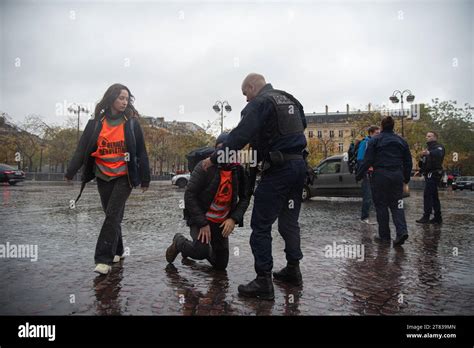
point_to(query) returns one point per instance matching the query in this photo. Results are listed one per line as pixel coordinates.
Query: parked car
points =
(333, 179)
(10, 174)
(463, 182)
(180, 180)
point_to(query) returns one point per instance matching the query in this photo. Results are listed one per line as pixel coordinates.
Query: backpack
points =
(195, 156)
(352, 156)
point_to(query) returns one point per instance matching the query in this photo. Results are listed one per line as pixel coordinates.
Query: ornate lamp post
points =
(395, 99)
(219, 108)
(76, 109)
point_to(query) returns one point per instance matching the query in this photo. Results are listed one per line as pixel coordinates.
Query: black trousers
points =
(217, 252)
(387, 193)
(431, 201)
(113, 195)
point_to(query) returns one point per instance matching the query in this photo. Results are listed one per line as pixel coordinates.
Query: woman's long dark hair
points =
(111, 94)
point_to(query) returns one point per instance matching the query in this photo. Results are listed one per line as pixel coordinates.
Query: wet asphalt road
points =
(432, 274)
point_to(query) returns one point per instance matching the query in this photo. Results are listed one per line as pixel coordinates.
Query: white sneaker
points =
(367, 221)
(117, 258)
(102, 268)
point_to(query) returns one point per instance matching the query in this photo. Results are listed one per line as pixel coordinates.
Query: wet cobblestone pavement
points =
(432, 274)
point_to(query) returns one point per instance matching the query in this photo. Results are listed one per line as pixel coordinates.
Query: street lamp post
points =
(41, 157)
(77, 110)
(219, 108)
(394, 99)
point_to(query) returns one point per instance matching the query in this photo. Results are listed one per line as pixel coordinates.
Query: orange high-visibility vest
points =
(220, 206)
(110, 153)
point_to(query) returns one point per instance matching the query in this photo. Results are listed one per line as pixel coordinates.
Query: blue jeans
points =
(278, 196)
(387, 189)
(366, 198)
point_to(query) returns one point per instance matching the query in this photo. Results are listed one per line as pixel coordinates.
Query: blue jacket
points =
(362, 147)
(387, 150)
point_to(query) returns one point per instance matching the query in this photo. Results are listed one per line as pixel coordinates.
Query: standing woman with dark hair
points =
(112, 149)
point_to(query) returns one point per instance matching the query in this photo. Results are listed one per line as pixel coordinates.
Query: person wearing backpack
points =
(366, 187)
(112, 150)
(215, 201)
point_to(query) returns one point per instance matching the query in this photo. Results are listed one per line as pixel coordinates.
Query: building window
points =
(341, 147)
(310, 133)
(331, 134)
(320, 134)
(320, 148)
(341, 134)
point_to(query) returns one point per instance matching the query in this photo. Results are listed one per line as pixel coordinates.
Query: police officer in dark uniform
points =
(273, 122)
(390, 157)
(431, 166)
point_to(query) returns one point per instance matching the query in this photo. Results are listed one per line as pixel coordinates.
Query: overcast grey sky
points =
(178, 58)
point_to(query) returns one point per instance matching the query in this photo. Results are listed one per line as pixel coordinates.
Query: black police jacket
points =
(202, 188)
(432, 163)
(273, 121)
(387, 150)
(138, 166)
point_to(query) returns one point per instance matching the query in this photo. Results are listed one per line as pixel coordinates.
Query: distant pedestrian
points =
(431, 166)
(366, 187)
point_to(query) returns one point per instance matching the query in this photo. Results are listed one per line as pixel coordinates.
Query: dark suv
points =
(10, 174)
(332, 178)
(463, 182)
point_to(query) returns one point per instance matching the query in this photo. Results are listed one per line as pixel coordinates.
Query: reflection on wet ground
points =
(431, 274)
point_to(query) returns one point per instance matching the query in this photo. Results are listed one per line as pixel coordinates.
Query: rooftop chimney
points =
(369, 106)
(326, 109)
(347, 109)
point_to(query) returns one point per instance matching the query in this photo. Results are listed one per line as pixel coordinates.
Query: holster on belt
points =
(277, 159)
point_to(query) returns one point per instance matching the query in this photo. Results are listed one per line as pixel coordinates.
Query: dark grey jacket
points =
(202, 188)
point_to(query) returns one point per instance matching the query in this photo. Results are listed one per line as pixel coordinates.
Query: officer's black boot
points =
(385, 241)
(400, 239)
(261, 287)
(437, 219)
(290, 274)
(424, 220)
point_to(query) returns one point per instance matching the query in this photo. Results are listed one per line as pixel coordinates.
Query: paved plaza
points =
(431, 274)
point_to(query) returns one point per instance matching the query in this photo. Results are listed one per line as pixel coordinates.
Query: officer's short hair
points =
(372, 129)
(387, 123)
(434, 133)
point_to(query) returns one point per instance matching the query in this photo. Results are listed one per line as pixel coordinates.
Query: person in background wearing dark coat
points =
(431, 166)
(389, 155)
